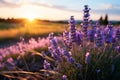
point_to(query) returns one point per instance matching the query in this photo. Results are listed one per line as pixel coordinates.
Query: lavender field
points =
(73, 51)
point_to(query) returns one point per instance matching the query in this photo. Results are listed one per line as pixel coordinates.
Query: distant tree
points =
(101, 20)
(106, 20)
(2, 19)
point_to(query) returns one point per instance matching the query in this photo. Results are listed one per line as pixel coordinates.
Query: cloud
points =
(12, 4)
(106, 6)
(109, 6)
(107, 9)
(4, 3)
(102, 9)
(59, 7)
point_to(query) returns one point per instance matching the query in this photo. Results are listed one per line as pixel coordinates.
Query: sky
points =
(59, 9)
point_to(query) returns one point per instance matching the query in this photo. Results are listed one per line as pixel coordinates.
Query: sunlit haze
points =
(58, 9)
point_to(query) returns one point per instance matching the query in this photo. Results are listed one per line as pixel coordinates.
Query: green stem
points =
(25, 63)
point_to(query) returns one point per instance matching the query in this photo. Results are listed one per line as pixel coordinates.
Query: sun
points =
(29, 12)
(30, 17)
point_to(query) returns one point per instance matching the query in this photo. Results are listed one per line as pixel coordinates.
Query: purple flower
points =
(110, 26)
(92, 35)
(43, 54)
(86, 9)
(64, 77)
(2, 65)
(46, 65)
(66, 38)
(117, 48)
(51, 36)
(1, 58)
(56, 57)
(66, 53)
(78, 37)
(71, 60)
(79, 66)
(54, 43)
(99, 38)
(11, 61)
(109, 37)
(87, 58)
(109, 34)
(98, 70)
(118, 34)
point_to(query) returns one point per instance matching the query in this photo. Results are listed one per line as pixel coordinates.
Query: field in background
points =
(14, 30)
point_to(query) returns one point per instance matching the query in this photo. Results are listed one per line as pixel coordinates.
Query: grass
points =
(9, 30)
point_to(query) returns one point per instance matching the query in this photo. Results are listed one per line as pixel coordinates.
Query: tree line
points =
(12, 20)
(104, 21)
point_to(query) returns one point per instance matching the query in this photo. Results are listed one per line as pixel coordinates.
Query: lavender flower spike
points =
(66, 38)
(72, 28)
(86, 16)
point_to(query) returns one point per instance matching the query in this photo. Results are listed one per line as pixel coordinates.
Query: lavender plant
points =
(94, 63)
(80, 54)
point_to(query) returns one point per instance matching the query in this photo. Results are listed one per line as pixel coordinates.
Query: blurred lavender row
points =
(23, 46)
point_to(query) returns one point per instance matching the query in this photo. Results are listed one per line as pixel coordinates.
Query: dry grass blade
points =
(8, 76)
(40, 54)
(51, 71)
(23, 72)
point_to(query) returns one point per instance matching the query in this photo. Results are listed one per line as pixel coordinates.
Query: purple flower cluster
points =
(91, 33)
(46, 65)
(57, 52)
(109, 34)
(73, 36)
(86, 19)
(54, 48)
(66, 38)
(72, 29)
(22, 46)
(79, 37)
(118, 34)
(117, 49)
(99, 38)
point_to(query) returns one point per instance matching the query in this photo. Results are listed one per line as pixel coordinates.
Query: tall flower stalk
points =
(86, 17)
(72, 29)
